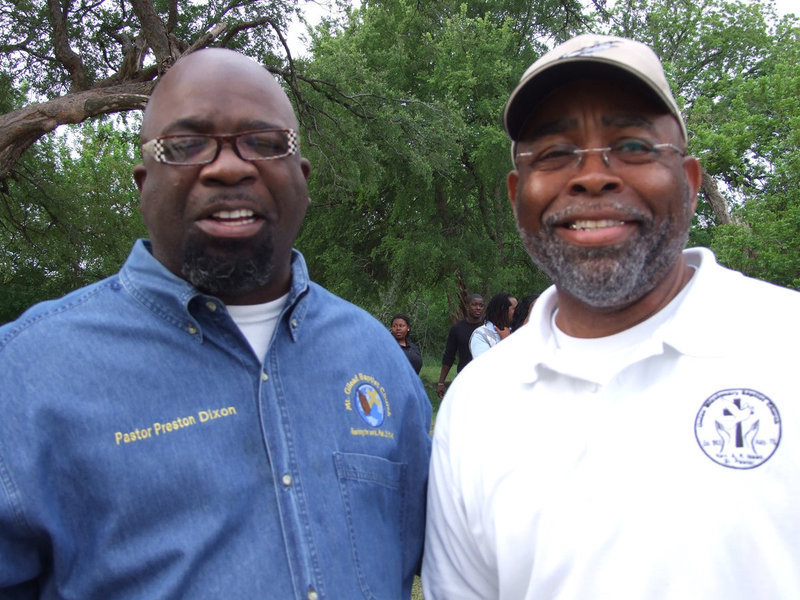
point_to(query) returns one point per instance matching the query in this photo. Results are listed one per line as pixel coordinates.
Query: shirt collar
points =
(699, 327)
(170, 296)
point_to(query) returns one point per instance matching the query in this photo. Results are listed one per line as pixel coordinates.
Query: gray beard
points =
(234, 267)
(612, 276)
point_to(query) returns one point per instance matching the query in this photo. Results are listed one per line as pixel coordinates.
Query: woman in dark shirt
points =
(401, 327)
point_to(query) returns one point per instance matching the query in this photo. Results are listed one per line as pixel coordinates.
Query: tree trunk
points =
(718, 205)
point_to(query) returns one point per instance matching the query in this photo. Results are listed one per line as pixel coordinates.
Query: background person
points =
(496, 323)
(522, 312)
(209, 423)
(458, 340)
(640, 439)
(401, 327)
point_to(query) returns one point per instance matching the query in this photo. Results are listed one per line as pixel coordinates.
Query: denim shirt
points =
(146, 453)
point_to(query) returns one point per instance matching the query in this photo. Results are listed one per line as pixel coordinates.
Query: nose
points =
(228, 168)
(594, 176)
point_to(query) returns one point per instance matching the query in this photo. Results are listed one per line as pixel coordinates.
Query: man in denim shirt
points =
(209, 423)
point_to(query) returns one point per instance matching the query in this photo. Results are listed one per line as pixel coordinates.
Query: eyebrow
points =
(567, 124)
(552, 127)
(628, 120)
(205, 125)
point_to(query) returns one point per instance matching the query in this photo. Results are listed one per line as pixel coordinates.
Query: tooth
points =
(234, 214)
(594, 224)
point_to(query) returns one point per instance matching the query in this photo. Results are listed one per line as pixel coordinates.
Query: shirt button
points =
(287, 480)
(212, 306)
(312, 594)
(294, 326)
(264, 376)
(191, 329)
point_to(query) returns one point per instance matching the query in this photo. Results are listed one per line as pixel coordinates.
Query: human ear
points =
(139, 175)
(694, 177)
(512, 180)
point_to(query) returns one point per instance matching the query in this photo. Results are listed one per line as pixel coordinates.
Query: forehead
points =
(217, 92)
(572, 106)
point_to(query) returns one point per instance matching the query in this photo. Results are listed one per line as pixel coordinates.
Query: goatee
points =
(611, 276)
(229, 267)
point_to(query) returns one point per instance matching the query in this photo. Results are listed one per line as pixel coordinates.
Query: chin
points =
(233, 268)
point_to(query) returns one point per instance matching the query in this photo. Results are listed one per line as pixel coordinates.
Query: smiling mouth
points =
(594, 225)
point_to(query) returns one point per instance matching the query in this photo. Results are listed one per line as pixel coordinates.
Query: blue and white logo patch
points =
(369, 405)
(738, 428)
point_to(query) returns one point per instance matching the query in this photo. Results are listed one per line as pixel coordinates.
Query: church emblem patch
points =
(368, 404)
(738, 428)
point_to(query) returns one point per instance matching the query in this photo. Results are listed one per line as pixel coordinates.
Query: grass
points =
(431, 367)
(416, 591)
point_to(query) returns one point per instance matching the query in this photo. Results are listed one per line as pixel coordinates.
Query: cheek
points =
(533, 197)
(163, 200)
(664, 192)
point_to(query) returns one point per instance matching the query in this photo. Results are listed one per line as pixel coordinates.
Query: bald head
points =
(208, 69)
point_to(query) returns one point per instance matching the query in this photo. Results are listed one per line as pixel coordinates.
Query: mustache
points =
(233, 196)
(566, 214)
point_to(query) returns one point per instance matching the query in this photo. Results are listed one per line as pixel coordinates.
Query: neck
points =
(578, 319)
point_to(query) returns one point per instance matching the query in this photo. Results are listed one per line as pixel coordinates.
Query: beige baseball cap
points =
(589, 56)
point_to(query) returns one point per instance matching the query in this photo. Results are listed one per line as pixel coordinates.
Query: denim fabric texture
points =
(145, 452)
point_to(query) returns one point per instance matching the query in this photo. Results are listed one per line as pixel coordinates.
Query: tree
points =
(410, 206)
(83, 60)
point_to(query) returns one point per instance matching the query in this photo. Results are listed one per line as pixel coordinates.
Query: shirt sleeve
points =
(452, 565)
(450, 349)
(478, 344)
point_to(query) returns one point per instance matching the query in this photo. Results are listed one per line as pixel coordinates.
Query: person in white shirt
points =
(496, 324)
(638, 438)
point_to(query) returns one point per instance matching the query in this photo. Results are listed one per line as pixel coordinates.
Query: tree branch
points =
(156, 34)
(65, 55)
(21, 128)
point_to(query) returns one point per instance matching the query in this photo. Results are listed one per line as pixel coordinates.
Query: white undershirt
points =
(257, 322)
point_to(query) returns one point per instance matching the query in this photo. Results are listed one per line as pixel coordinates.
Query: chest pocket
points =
(374, 494)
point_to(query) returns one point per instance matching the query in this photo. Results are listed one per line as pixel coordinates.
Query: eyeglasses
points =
(202, 149)
(623, 152)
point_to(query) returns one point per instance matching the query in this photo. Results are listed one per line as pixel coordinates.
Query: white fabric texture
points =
(483, 338)
(257, 322)
(603, 469)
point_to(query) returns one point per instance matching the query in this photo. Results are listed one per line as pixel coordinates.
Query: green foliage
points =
(74, 218)
(410, 208)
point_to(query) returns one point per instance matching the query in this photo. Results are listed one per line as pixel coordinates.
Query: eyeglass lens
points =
(630, 152)
(200, 149)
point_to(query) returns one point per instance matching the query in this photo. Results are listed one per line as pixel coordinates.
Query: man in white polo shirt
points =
(637, 439)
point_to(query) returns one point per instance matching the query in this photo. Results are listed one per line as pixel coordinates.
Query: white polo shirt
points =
(659, 463)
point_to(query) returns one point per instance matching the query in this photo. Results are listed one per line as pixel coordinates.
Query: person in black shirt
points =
(401, 327)
(458, 340)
